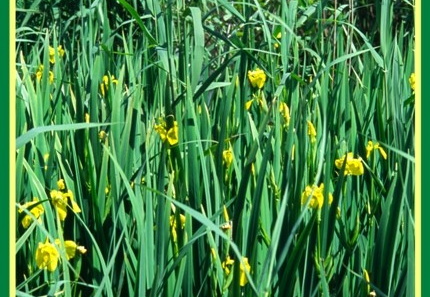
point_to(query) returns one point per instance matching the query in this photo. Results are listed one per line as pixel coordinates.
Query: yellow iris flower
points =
(248, 104)
(61, 184)
(171, 134)
(285, 113)
(104, 86)
(312, 133)
(102, 135)
(60, 52)
(47, 256)
(259, 99)
(60, 199)
(39, 74)
(243, 279)
(70, 248)
(317, 196)
(278, 36)
(412, 81)
(228, 263)
(227, 157)
(36, 211)
(257, 78)
(371, 146)
(353, 166)
(173, 225)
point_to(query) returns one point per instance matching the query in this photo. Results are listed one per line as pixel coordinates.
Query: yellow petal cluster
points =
(278, 36)
(61, 184)
(71, 248)
(353, 165)
(312, 133)
(371, 146)
(227, 157)
(243, 279)
(248, 104)
(259, 99)
(173, 225)
(285, 113)
(228, 263)
(47, 256)
(169, 134)
(257, 78)
(102, 135)
(412, 81)
(104, 86)
(60, 201)
(39, 74)
(35, 208)
(60, 52)
(316, 195)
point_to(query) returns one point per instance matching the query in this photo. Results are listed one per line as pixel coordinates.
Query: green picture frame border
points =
(6, 152)
(422, 146)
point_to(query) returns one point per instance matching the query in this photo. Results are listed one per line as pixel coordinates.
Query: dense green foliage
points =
(178, 161)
